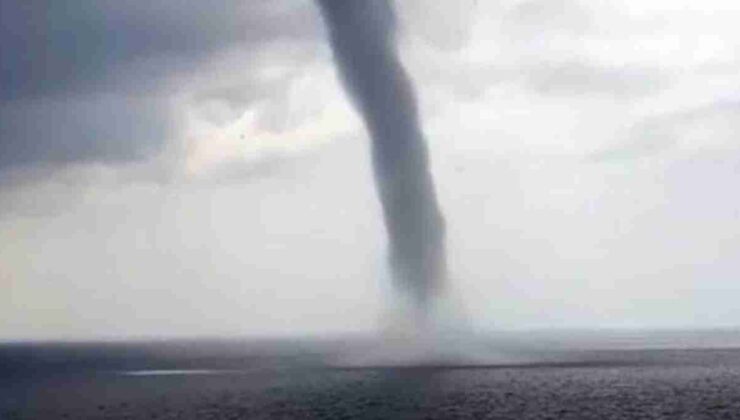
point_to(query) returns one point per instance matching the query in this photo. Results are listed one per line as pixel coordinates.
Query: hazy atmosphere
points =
(196, 168)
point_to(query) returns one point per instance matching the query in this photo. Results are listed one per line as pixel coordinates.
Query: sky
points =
(180, 169)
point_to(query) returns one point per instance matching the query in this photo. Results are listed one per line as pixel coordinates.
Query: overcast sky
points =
(189, 168)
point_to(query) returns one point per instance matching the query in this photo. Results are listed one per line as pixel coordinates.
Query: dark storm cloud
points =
(87, 80)
(52, 46)
(101, 128)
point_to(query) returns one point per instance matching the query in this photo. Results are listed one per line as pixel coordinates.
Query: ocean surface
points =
(504, 375)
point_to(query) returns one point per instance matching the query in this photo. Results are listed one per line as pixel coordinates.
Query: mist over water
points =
(572, 170)
(363, 39)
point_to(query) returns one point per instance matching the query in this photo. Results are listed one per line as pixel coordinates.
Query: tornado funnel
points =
(363, 39)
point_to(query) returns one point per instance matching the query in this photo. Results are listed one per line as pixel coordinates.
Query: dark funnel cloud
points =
(362, 35)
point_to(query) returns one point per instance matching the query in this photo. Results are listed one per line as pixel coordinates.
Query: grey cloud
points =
(51, 46)
(238, 96)
(538, 18)
(268, 97)
(539, 46)
(88, 81)
(720, 122)
(640, 142)
(101, 128)
(444, 24)
(577, 78)
(38, 199)
(548, 77)
(280, 166)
